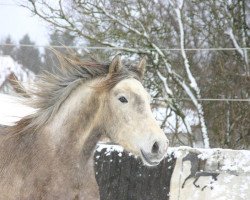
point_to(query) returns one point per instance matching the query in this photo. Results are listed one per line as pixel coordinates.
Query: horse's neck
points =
(74, 130)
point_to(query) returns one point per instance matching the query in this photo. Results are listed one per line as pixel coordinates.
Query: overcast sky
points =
(17, 21)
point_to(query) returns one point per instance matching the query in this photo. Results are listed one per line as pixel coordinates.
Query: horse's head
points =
(130, 121)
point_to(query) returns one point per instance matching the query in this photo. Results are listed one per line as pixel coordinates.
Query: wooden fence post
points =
(120, 176)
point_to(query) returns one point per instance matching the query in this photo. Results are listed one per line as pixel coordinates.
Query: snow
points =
(229, 32)
(231, 183)
(242, 52)
(164, 80)
(191, 118)
(227, 158)
(12, 110)
(109, 148)
(8, 66)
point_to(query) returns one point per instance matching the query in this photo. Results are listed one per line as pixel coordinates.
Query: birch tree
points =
(177, 5)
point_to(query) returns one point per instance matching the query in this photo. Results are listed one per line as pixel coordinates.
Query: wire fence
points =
(208, 99)
(150, 49)
(121, 48)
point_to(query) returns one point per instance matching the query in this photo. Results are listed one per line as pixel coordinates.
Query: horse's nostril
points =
(155, 148)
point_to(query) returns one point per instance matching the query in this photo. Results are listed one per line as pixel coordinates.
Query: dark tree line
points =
(28, 55)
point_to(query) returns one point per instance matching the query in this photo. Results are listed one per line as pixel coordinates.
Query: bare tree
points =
(148, 27)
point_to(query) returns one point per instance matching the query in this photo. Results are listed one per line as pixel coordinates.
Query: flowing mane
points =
(52, 89)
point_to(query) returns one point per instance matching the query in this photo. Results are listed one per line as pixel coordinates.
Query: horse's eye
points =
(123, 100)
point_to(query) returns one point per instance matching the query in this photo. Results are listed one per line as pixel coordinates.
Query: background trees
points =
(25, 53)
(28, 56)
(57, 38)
(9, 48)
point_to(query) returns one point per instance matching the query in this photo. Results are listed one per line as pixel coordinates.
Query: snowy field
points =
(12, 110)
(8, 66)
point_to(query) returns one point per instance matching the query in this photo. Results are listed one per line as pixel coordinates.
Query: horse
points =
(44, 155)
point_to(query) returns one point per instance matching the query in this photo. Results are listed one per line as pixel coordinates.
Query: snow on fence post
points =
(121, 176)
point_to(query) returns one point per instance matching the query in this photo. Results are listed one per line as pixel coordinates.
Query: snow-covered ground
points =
(12, 110)
(8, 66)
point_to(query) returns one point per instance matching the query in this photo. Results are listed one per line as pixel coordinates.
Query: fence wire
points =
(208, 99)
(150, 49)
(121, 48)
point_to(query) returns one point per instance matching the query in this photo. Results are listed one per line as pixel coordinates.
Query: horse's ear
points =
(141, 66)
(115, 65)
